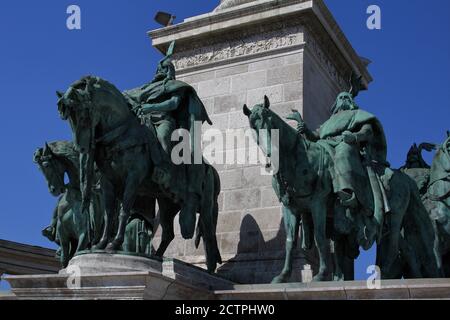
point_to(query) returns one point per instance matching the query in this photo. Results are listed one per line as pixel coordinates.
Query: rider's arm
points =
(168, 105)
(365, 134)
(311, 135)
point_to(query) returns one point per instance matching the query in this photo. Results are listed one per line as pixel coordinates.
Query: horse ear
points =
(59, 94)
(448, 133)
(266, 102)
(47, 150)
(247, 111)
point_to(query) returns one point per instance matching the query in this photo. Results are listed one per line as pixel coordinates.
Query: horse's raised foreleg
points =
(319, 215)
(168, 210)
(291, 225)
(109, 199)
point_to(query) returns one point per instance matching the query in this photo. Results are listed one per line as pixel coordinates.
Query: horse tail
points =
(212, 250)
(217, 190)
(421, 235)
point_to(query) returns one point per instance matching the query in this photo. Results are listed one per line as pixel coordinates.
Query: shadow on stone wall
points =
(258, 260)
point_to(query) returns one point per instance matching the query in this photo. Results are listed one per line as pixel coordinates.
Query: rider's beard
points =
(344, 106)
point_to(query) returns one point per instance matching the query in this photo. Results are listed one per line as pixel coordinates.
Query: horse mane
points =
(100, 84)
(65, 150)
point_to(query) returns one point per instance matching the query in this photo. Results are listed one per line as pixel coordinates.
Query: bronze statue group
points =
(334, 184)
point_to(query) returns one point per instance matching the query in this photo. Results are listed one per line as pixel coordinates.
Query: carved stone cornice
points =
(239, 43)
(258, 27)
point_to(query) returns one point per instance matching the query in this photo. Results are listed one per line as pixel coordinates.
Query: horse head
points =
(93, 107)
(52, 168)
(260, 118)
(77, 106)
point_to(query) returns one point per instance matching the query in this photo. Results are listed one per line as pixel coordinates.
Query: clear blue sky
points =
(38, 55)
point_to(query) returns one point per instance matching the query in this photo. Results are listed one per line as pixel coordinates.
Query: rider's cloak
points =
(159, 91)
(354, 120)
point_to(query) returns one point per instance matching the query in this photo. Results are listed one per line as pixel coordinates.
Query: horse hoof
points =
(114, 246)
(100, 246)
(279, 279)
(320, 277)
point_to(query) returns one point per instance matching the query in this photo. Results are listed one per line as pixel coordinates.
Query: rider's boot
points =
(188, 216)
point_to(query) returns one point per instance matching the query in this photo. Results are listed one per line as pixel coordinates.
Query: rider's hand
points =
(142, 111)
(301, 127)
(349, 137)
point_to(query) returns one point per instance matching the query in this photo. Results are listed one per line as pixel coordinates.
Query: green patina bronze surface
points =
(70, 228)
(319, 182)
(434, 186)
(124, 164)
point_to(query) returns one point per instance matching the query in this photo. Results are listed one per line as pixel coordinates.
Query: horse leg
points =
(80, 230)
(207, 229)
(109, 199)
(64, 243)
(319, 213)
(168, 210)
(340, 260)
(129, 197)
(208, 222)
(389, 249)
(291, 224)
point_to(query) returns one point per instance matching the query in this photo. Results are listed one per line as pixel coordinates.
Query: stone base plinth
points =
(119, 277)
(111, 276)
(350, 290)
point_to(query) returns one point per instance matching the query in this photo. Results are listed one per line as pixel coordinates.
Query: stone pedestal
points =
(350, 290)
(294, 52)
(120, 277)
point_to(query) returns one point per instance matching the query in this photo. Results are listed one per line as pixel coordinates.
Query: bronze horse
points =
(72, 229)
(303, 175)
(108, 133)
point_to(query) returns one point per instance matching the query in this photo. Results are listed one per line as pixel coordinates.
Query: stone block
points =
(285, 108)
(256, 96)
(294, 58)
(248, 81)
(229, 243)
(266, 64)
(220, 122)
(293, 91)
(195, 78)
(285, 74)
(269, 198)
(229, 71)
(238, 120)
(227, 103)
(214, 87)
(242, 199)
(267, 218)
(232, 179)
(229, 221)
(252, 177)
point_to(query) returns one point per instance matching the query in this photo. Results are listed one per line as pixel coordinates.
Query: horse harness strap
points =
(110, 136)
(290, 191)
(108, 140)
